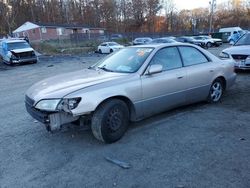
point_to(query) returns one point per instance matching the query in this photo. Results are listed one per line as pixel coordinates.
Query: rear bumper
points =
(218, 43)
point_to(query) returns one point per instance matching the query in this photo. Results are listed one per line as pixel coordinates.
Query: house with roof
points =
(46, 31)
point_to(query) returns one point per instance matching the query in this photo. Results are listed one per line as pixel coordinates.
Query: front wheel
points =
(110, 121)
(216, 91)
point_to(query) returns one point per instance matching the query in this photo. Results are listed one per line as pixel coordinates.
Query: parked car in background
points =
(209, 41)
(162, 40)
(134, 83)
(232, 39)
(141, 40)
(191, 40)
(108, 47)
(102, 38)
(239, 52)
(17, 51)
(116, 37)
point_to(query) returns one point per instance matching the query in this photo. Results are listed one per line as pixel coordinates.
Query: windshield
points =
(244, 40)
(127, 60)
(113, 44)
(17, 45)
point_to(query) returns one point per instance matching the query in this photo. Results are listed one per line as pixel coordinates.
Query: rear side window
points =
(169, 58)
(192, 56)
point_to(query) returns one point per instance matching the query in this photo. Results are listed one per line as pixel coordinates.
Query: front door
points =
(164, 90)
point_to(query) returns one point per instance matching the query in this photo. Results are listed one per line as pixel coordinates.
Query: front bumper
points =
(23, 60)
(52, 120)
(241, 65)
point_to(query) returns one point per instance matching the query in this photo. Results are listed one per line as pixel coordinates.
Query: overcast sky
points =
(191, 4)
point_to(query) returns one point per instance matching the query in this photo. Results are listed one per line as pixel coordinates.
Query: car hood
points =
(22, 50)
(244, 50)
(64, 84)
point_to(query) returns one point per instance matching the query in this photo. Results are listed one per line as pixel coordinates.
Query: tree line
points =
(123, 15)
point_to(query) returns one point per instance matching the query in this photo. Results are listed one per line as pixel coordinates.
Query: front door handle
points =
(211, 71)
(179, 77)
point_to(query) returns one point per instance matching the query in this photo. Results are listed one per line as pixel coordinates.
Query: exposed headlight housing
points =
(224, 55)
(48, 104)
(69, 104)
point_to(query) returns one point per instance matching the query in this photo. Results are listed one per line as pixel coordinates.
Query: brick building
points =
(44, 31)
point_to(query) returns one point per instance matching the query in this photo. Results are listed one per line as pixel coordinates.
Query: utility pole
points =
(212, 7)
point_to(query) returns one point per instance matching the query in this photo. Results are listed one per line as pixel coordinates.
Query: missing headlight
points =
(69, 104)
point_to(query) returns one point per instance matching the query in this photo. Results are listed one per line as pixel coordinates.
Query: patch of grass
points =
(57, 47)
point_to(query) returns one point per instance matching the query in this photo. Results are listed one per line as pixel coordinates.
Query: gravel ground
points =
(197, 146)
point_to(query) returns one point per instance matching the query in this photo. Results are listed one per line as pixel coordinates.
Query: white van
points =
(229, 31)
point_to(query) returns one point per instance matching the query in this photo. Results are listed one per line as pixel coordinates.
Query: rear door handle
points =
(179, 77)
(211, 71)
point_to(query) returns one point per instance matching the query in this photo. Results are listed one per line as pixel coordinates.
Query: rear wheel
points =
(216, 91)
(110, 121)
(209, 44)
(111, 50)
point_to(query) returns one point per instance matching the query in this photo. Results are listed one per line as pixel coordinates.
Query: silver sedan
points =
(239, 53)
(129, 85)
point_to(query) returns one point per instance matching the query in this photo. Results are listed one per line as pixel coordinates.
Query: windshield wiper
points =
(91, 67)
(105, 69)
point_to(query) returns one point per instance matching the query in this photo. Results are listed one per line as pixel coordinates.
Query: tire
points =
(100, 51)
(209, 45)
(110, 121)
(216, 91)
(111, 50)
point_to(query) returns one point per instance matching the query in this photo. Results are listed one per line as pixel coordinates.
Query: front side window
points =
(169, 58)
(113, 44)
(192, 56)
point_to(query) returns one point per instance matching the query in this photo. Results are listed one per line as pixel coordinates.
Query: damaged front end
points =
(52, 112)
(23, 57)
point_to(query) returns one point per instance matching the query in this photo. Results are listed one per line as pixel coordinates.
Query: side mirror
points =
(153, 69)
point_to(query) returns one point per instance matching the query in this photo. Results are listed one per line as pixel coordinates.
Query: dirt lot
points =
(198, 146)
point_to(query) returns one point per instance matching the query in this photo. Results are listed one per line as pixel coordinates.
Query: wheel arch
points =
(224, 82)
(128, 102)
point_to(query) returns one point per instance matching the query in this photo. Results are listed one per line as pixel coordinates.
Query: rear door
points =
(200, 72)
(164, 90)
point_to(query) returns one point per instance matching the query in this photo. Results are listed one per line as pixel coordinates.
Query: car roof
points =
(160, 45)
(142, 38)
(13, 40)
